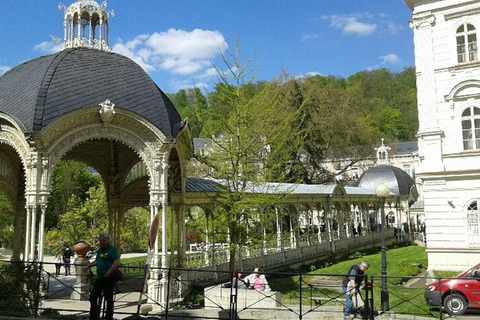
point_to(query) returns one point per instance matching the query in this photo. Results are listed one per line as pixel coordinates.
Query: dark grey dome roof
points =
(41, 90)
(399, 182)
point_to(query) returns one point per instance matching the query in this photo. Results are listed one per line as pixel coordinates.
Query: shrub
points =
(19, 288)
(408, 270)
(355, 255)
(195, 299)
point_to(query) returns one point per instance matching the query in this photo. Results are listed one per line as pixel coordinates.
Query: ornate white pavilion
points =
(89, 104)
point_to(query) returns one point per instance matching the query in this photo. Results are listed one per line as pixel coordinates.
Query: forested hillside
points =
(384, 101)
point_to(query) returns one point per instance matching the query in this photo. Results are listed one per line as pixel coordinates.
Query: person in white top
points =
(257, 280)
(58, 263)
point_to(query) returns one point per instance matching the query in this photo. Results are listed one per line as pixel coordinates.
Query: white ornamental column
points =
(207, 248)
(79, 33)
(41, 231)
(293, 244)
(153, 280)
(164, 199)
(279, 230)
(319, 225)
(328, 215)
(26, 253)
(100, 33)
(155, 206)
(90, 33)
(33, 232)
(181, 235)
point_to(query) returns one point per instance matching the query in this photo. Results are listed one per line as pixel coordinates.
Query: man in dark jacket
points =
(351, 286)
(67, 256)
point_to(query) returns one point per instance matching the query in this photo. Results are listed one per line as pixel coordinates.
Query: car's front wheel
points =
(455, 304)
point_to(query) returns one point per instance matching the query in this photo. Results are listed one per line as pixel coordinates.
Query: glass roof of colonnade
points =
(208, 186)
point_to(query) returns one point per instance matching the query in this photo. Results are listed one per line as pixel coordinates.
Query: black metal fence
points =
(35, 289)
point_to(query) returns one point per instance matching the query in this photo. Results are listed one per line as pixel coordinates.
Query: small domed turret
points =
(86, 25)
(399, 182)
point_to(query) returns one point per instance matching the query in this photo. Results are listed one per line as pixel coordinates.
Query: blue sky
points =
(177, 41)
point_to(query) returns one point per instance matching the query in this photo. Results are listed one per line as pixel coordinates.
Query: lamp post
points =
(382, 191)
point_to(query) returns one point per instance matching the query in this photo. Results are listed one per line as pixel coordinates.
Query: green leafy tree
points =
(240, 142)
(134, 232)
(6, 221)
(326, 122)
(383, 91)
(192, 105)
(70, 178)
(82, 221)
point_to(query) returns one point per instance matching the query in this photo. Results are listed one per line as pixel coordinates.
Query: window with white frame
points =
(471, 128)
(354, 173)
(408, 169)
(338, 175)
(466, 43)
(473, 220)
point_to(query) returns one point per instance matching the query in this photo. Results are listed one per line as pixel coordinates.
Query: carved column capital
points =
(423, 22)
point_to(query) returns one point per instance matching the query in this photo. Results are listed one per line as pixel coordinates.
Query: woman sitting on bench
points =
(257, 281)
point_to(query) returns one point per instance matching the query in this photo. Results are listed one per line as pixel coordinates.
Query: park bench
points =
(333, 285)
(324, 300)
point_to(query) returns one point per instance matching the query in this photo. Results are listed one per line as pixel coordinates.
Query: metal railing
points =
(33, 289)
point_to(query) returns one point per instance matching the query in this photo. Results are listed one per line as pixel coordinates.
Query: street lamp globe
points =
(382, 191)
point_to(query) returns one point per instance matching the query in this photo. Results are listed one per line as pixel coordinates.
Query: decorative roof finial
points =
(382, 154)
(86, 25)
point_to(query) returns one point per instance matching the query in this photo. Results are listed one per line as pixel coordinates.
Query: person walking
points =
(351, 287)
(107, 261)
(58, 263)
(67, 256)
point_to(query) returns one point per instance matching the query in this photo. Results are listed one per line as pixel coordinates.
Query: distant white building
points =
(448, 84)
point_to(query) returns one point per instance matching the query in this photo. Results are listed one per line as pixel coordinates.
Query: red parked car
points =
(458, 294)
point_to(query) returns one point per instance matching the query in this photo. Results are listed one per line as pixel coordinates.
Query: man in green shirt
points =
(107, 261)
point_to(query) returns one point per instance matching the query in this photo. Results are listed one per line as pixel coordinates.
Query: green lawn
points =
(402, 262)
(132, 273)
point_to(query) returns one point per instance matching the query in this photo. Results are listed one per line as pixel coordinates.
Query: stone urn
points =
(81, 290)
(81, 250)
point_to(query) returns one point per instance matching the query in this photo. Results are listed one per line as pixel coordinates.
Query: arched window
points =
(473, 220)
(466, 43)
(471, 128)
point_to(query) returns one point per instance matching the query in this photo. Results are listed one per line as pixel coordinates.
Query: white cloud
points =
(178, 85)
(350, 24)
(195, 45)
(390, 59)
(308, 74)
(140, 56)
(177, 51)
(309, 37)
(48, 47)
(4, 69)
(386, 61)
(392, 28)
(363, 24)
(184, 66)
(210, 72)
(353, 26)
